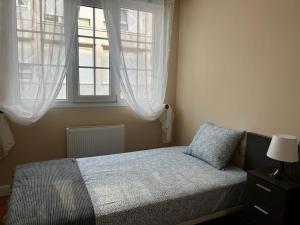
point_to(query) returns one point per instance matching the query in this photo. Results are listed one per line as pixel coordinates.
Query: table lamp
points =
(283, 148)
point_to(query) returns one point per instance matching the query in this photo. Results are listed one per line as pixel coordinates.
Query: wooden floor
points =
(3, 203)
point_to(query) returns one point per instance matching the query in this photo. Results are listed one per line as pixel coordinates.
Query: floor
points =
(229, 220)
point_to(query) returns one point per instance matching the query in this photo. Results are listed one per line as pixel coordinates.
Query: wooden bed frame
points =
(253, 153)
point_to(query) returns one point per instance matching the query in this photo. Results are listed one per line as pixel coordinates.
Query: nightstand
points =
(271, 202)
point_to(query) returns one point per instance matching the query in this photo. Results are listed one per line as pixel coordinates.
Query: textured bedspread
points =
(49, 193)
(158, 187)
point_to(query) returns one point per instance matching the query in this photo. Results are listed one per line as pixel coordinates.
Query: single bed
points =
(160, 186)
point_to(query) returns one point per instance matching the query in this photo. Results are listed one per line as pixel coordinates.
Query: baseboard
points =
(4, 190)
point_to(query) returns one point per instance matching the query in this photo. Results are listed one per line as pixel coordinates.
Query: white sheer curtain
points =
(37, 38)
(139, 33)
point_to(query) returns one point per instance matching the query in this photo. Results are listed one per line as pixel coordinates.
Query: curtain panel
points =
(38, 37)
(141, 55)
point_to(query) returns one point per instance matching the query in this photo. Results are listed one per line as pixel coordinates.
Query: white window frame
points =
(72, 78)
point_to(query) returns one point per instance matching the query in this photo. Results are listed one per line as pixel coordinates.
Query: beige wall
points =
(46, 139)
(238, 66)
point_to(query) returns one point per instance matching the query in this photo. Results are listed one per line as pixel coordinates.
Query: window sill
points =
(66, 104)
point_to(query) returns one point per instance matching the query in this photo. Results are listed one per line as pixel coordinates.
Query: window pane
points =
(129, 30)
(29, 84)
(53, 54)
(133, 78)
(124, 20)
(149, 60)
(102, 82)
(94, 53)
(26, 72)
(24, 16)
(24, 3)
(86, 81)
(145, 26)
(130, 54)
(62, 95)
(86, 52)
(144, 87)
(102, 53)
(26, 47)
(100, 26)
(85, 21)
(142, 56)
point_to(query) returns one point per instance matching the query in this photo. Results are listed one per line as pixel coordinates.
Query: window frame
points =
(73, 97)
(77, 98)
(72, 76)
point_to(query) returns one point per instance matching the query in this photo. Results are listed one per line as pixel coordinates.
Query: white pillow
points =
(214, 145)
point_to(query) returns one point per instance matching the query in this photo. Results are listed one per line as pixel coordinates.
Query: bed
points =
(159, 186)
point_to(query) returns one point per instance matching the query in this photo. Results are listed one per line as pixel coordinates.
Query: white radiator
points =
(94, 141)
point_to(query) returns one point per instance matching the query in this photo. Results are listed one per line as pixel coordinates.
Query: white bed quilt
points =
(160, 186)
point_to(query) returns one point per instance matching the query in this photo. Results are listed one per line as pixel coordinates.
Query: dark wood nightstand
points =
(271, 202)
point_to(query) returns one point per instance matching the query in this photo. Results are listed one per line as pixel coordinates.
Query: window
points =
(137, 44)
(92, 80)
(84, 22)
(124, 20)
(93, 53)
(31, 37)
(52, 18)
(23, 3)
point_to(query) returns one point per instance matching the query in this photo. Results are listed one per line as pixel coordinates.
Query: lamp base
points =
(280, 173)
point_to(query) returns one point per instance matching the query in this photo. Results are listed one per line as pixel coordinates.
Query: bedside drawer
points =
(268, 194)
(260, 214)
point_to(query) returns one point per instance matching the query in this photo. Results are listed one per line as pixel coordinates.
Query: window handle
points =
(263, 187)
(261, 209)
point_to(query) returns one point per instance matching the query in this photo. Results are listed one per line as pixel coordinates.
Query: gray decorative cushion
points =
(214, 145)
